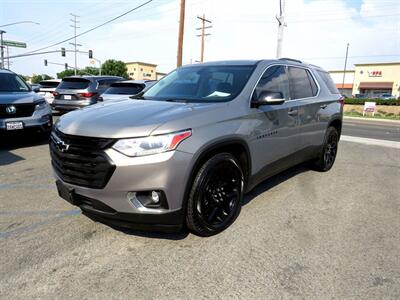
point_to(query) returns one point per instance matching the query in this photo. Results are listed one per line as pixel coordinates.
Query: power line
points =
(94, 28)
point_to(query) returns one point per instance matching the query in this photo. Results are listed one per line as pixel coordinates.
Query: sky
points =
(317, 31)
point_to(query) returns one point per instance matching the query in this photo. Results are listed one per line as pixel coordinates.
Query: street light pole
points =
(2, 48)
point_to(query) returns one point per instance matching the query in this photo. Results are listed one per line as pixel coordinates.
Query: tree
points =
(65, 73)
(38, 78)
(115, 68)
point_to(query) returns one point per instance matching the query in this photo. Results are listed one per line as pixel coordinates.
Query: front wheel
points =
(216, 194)
(329, 150)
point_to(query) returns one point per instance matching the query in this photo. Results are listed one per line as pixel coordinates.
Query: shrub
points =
(378, 101)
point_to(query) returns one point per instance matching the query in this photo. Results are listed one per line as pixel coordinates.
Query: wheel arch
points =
(336, 123)
(235, 146)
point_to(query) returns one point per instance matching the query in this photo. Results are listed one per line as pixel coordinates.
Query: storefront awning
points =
(376, 85)
(344, 86)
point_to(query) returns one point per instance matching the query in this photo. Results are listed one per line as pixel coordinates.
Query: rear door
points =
(275, 137)
(304, 90)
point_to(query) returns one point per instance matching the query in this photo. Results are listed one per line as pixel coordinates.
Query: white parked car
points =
(124, 89)
(47, 87)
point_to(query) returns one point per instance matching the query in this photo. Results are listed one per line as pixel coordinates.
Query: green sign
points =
(14, 44)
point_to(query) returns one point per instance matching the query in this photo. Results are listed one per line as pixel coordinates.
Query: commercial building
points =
(141, 71)
(345, 88)
(371, 80)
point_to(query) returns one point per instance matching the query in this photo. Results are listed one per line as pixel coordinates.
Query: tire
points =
(215, 197)
(327, 156)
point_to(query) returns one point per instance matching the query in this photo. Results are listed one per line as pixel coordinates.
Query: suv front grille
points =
(80, 160)
(21, 110)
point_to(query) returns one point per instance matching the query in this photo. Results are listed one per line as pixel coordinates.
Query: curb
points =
(370, 119)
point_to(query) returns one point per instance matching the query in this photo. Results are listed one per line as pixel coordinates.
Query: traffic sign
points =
(14, 44)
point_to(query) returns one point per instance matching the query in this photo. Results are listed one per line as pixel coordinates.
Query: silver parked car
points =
(47, 88)
(121, 90)
(21, 109)
(187, 150)
(80, 91)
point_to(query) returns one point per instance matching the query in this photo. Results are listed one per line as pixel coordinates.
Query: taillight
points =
(86, 95)
(55, 94)
(341, 101)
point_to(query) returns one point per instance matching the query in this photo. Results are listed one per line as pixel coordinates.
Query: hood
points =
(18, 98)
(129, 118)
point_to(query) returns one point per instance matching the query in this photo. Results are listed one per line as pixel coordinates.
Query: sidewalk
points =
(371, 119)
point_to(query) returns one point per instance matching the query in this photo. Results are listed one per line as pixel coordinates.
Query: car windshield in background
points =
(12, 83)
(201, 84)
(74, 83)
(124, 89)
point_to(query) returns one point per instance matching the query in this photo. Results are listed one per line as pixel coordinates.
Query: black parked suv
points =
(80, 91)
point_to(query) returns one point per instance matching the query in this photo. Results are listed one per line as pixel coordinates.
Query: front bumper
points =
(41, 119)
(114, 204)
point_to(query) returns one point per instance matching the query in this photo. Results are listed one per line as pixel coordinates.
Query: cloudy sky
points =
(317, 31)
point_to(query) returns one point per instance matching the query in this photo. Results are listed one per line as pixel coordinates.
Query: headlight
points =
(40, 104)
(151, 144)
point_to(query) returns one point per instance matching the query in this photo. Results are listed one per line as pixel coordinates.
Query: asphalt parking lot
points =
(301, 234)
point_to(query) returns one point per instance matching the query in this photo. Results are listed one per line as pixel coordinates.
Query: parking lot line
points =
(372, 142)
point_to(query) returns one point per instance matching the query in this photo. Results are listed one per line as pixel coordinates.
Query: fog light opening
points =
(155, 197)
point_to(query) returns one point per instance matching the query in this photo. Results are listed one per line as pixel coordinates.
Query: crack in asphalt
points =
(29, 228)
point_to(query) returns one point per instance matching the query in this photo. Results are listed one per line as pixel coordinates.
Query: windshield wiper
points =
(138, 96)
(175, 100)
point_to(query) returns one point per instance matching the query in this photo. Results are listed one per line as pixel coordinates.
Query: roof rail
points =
(291, 59)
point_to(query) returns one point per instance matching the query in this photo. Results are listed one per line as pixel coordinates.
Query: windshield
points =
(12, 83)
(74, 83)
(201, 84)
(125, 88)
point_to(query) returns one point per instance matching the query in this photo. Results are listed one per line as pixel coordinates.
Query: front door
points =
(275, 137)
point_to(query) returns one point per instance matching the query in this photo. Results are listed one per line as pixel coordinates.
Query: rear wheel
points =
(327, 156)
(216, 195)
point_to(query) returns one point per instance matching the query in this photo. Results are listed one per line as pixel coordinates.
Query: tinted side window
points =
(274, 79)
(104, 83)
(329, 82)
(300, 84)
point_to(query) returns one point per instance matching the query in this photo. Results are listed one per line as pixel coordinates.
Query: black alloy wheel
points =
(216, 195)
(327, 156)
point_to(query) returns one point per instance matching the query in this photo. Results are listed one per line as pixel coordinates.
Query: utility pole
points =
(282, 24)
(8, 58)
(203, 34)
(181, 32)
(345, 65)
(2, 48)
(75, 26)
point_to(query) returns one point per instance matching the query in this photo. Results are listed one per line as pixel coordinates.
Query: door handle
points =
(293, 112)
(323, 106)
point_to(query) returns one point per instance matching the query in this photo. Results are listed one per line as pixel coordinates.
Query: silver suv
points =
(186, 151)
(80, 91)
(21, 109)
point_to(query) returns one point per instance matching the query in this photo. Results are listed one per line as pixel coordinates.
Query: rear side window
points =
(74, 83)
(49, 84)
(124, 89)
(273, 80)
(302, 84)
(329, 82)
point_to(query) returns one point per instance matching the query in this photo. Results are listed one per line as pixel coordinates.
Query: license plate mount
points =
(14, 125)
(65, 192)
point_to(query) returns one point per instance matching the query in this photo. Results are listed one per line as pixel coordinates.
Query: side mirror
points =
(271, 98)
(36, 90)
